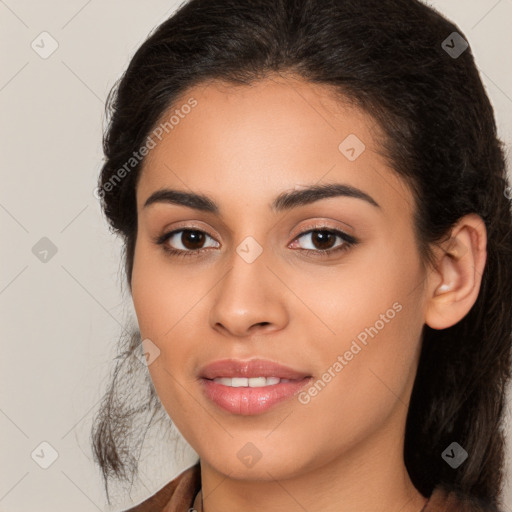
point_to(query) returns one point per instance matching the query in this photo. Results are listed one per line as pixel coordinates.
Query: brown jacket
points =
(180, 495)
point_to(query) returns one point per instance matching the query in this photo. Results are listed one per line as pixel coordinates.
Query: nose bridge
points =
(248, 260)
(246, 296)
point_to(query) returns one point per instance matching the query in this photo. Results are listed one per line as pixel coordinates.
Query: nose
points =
(249, 300)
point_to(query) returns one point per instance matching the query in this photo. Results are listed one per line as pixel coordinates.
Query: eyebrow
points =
(284, 201)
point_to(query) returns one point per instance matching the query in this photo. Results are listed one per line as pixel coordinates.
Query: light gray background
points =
(61, 319)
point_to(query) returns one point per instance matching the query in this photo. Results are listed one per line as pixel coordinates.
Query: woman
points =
(313, 201)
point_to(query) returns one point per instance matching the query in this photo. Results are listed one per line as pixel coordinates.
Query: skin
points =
(242, 146)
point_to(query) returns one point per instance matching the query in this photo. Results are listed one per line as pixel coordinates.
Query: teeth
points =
(253, 382)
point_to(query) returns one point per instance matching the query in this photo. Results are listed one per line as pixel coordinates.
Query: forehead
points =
(255, 140)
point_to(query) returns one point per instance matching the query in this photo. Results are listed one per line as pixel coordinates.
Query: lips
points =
(250, 400)
(248, 369)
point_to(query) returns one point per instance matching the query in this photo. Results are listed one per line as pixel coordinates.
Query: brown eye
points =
(323, 240)
(185, 241)
(192, 239)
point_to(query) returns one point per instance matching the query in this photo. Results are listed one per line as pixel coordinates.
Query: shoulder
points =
(444, 499)
(178, 494)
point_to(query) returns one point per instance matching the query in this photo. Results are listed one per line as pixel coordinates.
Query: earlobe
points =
(454, 285)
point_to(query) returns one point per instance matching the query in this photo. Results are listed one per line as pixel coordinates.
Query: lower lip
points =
(249, 401)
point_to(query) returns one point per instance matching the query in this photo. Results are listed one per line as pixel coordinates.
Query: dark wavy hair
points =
(388, 58)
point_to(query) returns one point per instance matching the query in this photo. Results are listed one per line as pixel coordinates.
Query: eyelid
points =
(186, 226)
(320, 225)
(167, 234)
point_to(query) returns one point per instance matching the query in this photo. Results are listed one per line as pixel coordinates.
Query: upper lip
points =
(252, 368)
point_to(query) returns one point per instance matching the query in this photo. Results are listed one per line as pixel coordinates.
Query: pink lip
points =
(248, 369)
(246, 400)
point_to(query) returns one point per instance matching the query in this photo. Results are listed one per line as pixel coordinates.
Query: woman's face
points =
(245, 285)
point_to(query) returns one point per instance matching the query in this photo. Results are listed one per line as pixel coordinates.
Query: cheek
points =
(348, 297)
(371, 315)
(377, 328)
(165, 306)
(161, 295)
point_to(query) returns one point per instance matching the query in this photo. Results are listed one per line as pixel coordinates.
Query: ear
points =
(453, 286)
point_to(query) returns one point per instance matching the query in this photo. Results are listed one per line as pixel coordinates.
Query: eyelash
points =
(349, 241)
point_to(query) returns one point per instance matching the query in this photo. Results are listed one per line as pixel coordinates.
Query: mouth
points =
(250, 387)
(253, 382)
(235, 370)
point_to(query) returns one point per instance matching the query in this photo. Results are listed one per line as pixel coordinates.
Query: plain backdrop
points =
(61, 317)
